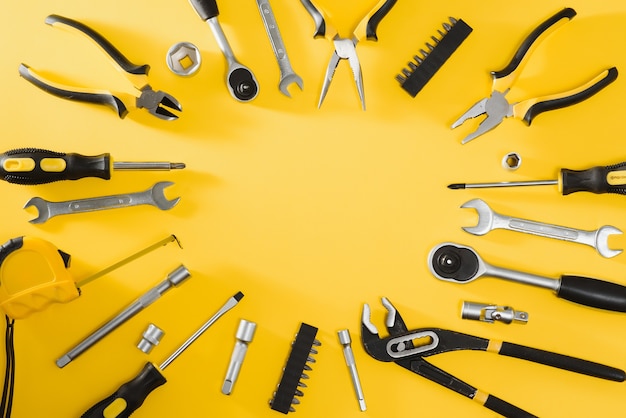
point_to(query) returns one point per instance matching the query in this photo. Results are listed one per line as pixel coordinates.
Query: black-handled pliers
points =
(345, 48)
(408, 348)
(497, 107)
(154, 102)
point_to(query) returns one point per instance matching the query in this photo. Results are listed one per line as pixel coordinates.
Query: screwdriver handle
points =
(593, 292)
(129, 397)
(30, 166)
(609, 179)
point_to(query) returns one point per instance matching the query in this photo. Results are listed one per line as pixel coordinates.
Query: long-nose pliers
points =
(345, 48)
(408, 349)
(497, 107)
(155, 102)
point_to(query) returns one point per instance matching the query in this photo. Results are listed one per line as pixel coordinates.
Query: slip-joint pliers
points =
(408, 348)
(345, 48)
(497, 107)
(155, 102)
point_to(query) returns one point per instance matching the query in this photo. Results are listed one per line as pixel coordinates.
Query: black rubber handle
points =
(561, 361)
(206, 9)
(567, 13)
(506, 409)
(106, 46)
(372, 23)
(130, 396)
(593, 292)
(570, 100)
(318, 18)
(94, 98)
(30, 166)
(609, 179)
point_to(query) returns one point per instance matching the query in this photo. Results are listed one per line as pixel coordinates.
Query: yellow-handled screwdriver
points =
(607, 179)
(38, 166)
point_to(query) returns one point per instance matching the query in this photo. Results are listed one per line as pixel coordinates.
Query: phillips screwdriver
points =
(130, 396)
(607, 179)
(38, 166)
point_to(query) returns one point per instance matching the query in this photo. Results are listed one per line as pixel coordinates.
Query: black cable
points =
(9, 373)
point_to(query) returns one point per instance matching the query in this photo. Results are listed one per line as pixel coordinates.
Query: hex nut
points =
(511, 161)
(183, 59)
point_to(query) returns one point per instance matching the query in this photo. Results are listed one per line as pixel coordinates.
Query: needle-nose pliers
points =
(408, 348)
(497, 107)
(345, 48)
(155, 102)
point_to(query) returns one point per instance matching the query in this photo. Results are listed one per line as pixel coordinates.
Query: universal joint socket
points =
(491, 313)
(244, 336)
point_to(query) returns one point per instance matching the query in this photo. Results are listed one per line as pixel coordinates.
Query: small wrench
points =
(287, 75)
(488, 220)
(153, 196)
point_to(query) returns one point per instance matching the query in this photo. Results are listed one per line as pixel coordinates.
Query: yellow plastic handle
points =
(33, 275)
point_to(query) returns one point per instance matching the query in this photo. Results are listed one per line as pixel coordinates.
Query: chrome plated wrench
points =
(154, 196)
(287, 75)
(488, 220)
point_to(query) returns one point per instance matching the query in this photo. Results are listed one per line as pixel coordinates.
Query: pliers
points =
(408, 348)
(497, 107)
(345, 48)
(155, 102)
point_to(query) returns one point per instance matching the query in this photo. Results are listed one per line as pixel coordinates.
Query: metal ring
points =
(183, 59)
(511, 161)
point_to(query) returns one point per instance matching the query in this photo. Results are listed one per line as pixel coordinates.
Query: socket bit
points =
(244, 336)
(345, 340)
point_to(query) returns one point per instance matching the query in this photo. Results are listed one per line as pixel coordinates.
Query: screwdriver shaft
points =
(455, 186)
(147, 165)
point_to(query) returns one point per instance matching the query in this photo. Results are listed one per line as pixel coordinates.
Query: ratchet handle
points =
(593, 292)
(610, 179)
(105, 45)
(30, 166)
(561, 361)
(206, 9)
(129, 397)
(532, 108)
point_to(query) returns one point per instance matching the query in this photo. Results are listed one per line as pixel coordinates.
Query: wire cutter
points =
(497, 107)
(155, 102)
(408, 348)
(345, 48)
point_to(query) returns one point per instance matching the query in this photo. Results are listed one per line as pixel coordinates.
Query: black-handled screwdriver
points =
(608, 179)
(131, 395)
(38, 166)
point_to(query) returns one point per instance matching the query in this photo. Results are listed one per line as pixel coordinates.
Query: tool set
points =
(407, 348)
(487, 312)
(414, 78)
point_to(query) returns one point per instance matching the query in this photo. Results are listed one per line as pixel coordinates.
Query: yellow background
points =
(312, 213)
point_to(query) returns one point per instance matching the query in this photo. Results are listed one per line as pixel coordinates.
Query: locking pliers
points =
(408, 348)
(155, 102)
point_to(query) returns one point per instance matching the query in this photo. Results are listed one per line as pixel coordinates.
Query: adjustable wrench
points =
(287, 75)
(153, 196)
(488, 220)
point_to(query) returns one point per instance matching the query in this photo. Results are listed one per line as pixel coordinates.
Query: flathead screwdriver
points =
(38, 166)
(600, 179)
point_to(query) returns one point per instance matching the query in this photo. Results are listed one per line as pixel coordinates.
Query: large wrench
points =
(153, 196)
(287, 75)
(488, 220)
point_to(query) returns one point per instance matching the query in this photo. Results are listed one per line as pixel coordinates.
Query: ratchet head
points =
(455, 263)
(241, 83)
(158, 196)
(43, 213)
(485, 217)
(602, 241)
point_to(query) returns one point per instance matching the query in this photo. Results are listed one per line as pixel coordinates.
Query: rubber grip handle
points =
(561, 361)
(506, 409)
(593, 292)
(567, 13)
(106, 46)
(206, 9)
(377, 16)
(30, 166)
(609, 179)
(318, 18)
(560, 102)
(129, 397)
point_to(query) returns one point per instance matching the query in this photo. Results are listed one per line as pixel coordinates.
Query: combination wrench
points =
(287, 75)
(488, 220)
(154, 196)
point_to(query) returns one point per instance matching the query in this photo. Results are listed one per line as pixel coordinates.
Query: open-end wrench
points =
(287, 75)
(488, 220)
(154, 196)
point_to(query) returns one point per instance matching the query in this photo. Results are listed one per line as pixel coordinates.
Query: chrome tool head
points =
(345, 49)
(602, 241)
(287, 80)
(455, 263)
(43, 212)
(241, 82)
(157, 102)
(485, 217)
(496, 107)
(157, 193)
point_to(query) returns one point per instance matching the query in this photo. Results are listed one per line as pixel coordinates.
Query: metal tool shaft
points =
(503, 184)
(147, 165)
(345, 340)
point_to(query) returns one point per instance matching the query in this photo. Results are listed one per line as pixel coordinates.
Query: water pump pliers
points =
(497, 107)
(408, 349)
(345, 48)
(155, 102)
